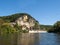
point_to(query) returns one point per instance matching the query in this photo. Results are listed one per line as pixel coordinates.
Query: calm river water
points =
(30, 39)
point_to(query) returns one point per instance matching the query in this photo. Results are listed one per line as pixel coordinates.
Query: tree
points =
(55, 28)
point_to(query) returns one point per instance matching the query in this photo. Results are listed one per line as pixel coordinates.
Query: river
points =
(30, 39)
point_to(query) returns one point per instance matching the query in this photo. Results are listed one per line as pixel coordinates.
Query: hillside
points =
(19, 21)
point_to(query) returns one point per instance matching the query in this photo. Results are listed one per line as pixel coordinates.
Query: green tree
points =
(55, 28)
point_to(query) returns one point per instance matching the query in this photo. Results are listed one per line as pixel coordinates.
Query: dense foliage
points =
(7, 28)
(55, 28)
(45, 27)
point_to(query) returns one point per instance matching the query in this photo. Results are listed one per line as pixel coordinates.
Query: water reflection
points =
(8, 39)
(30, 39)
(27, 39)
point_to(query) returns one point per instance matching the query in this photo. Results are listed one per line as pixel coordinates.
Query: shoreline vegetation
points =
(52, 28)
(6, 28)
(5, 25)
(55, 28)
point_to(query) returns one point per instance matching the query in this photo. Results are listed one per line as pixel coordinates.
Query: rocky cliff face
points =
(24, 20)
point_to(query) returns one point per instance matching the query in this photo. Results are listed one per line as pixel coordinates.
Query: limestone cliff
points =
(22, 19)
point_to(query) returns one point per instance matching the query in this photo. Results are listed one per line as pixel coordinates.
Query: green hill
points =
(9, 23)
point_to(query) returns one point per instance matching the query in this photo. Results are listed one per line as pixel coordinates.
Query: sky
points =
(47, 12)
